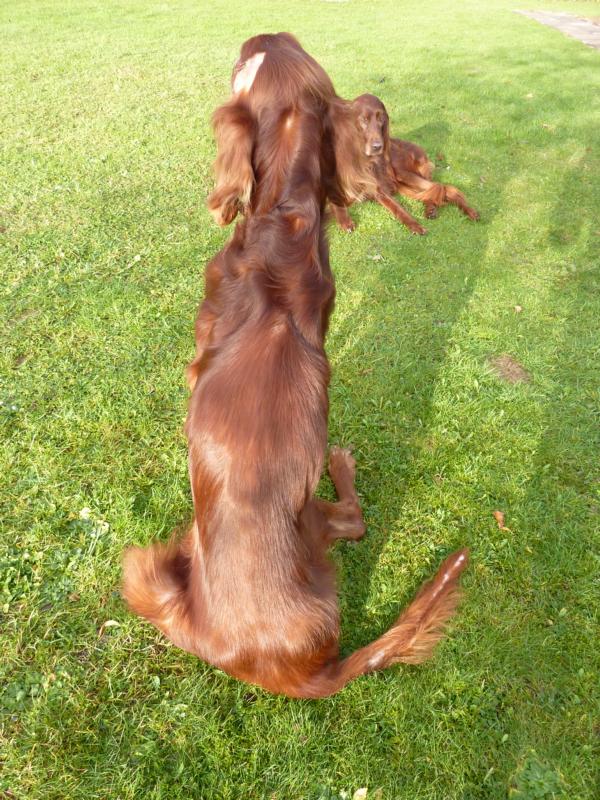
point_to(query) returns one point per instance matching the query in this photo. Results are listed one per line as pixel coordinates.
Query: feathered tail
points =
(410, 641)
(155, 583)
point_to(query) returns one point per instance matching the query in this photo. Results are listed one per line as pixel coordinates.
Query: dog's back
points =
(409, 157)
(246, 589)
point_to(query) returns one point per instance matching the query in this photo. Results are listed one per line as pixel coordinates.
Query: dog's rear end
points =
(413, 170)
(409, 157)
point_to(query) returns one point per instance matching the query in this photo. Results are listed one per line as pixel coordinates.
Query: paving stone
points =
(585, 30)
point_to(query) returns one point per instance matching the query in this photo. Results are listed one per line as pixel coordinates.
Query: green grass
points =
(107, 153)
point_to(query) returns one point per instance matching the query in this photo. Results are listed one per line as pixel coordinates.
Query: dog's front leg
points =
(400, 214)
(343, 218)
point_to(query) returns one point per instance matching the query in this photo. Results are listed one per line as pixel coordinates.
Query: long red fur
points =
(249, 587)
(398, 167)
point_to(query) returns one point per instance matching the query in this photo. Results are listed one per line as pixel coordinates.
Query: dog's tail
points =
(410, 641)
(155, 586)
(156, 583)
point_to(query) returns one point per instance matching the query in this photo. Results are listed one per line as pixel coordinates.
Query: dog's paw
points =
(341, 461)
(224, 214)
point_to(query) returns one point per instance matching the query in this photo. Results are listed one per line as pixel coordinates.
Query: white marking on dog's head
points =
(245, 77)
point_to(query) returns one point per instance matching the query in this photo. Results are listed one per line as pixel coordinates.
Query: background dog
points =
(385, 166)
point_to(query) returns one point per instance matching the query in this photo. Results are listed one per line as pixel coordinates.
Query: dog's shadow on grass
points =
(422, 285)
(382, 451)
(432, 137)
(387, 417)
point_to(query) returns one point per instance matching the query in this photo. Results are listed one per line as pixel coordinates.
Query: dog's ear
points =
(235, 131)
(356, 110)
(385, 133)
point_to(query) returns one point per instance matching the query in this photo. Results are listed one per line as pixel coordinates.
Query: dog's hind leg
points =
(432, 194)
(342, 520)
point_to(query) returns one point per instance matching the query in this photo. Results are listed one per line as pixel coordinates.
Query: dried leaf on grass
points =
(361, 794)
(110, 623)
(499, 517)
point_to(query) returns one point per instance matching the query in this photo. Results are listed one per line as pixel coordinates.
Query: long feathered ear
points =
(386, 134)
(353, 180)
(234, 128)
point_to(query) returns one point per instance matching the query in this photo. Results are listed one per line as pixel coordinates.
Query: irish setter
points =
(380, 166)
(249, 587)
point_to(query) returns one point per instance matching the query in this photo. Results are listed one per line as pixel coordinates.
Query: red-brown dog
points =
(249, 588)
(381, 166)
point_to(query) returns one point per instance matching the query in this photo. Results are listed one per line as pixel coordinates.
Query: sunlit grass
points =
(107, 154)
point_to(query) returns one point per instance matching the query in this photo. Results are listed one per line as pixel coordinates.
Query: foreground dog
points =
(249, 587)
(384, 166)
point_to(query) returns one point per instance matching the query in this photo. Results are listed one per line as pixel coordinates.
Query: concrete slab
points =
(585, 30)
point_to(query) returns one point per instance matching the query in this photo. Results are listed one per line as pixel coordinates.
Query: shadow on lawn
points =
(387, 453)
(432, 137)
(565, 470)
(415, 272)
(549, 553)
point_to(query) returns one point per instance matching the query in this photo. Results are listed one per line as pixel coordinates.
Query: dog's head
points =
(372, 122)
(274, 82)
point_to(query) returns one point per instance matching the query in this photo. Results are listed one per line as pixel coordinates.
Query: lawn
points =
(107, 151)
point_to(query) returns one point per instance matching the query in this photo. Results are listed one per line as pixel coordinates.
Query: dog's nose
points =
(376, 147)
